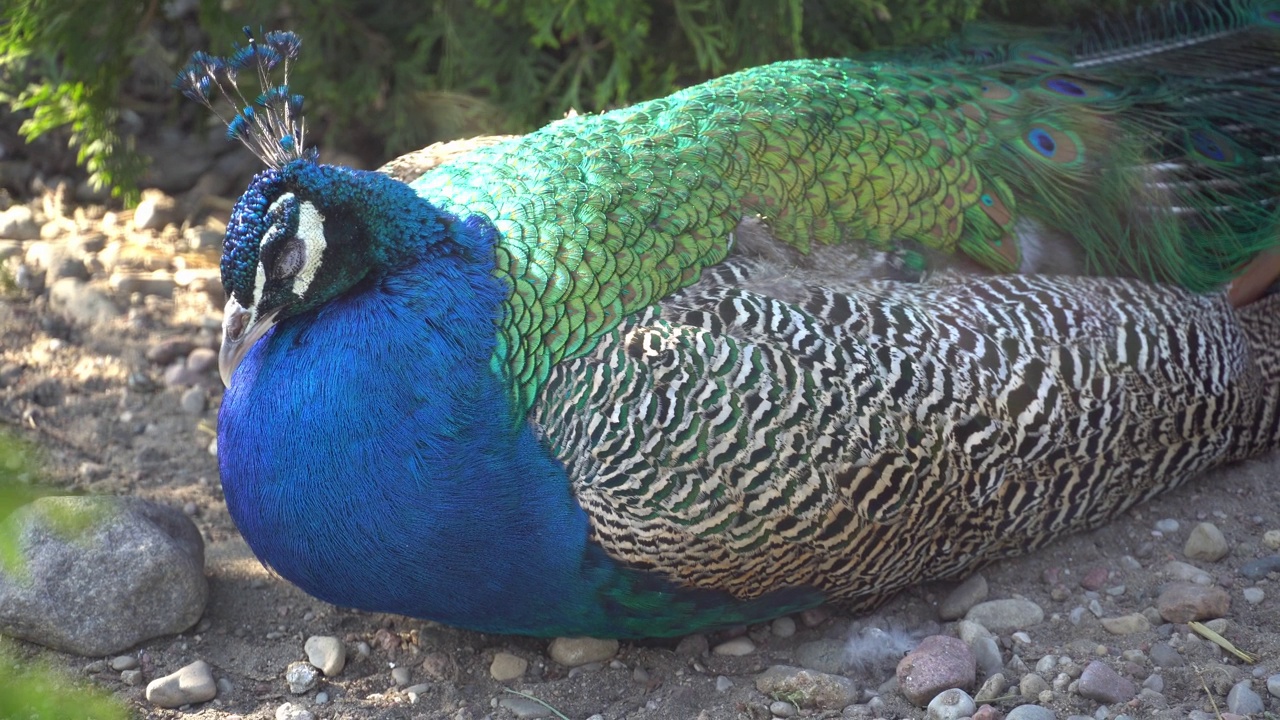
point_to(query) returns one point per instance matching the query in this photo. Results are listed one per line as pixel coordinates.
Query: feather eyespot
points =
(987, 200)
(1042, 142)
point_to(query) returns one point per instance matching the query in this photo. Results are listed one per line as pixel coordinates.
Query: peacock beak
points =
(240, 330)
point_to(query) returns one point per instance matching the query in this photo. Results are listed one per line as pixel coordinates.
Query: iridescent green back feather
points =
(1156, 174)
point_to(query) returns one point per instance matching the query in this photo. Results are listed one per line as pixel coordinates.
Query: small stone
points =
(141, 563)
(693, 645)
(572, 652)
(291, 711)
(1154, 682)
(822, 655)
(1031, 686)
(301, 677)
(193, 401)
(401, 676)
(967, 594)
(1179, 570)
(202, 360)
(1006, 616)
(124, 662)
(783, 627)
(327, 653)
(1168, 526)
(506, 667)
(438, 666)
(992, 688)
(191, 684)
(1253, 595)
(1030, 712)
(1271, 539)
(807, 688)
(951, 705)
(987, 712)
(1099, 682)
(166, 351)
(132, 678)
(19, 223)
(782, 709)
(1182, 603)
(813, 617)
(1126, 624)
(1242, 700)
(939, 663)
(986, 651)
(154, 210)
(1095, 579)
(736, 647)
(723, 683)
(159, 283)
(1260, 568)
(1164, 655)
(524, 708)
(1206, 542)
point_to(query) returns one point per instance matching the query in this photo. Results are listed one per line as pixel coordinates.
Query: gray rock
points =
(506, 667)
(1260, 568)
(807, 688)
(723, 684)
(131, 570)
(1168, 526)
(951, 705)
(992, 688)
(82, 303)
(693, 645)
(1126, 624)
(202, 360)
(290, 711)
(1253, 595)
(572, 652)
(301, 677)
(401, 676)
(524, 708)
(1099, 682)
(1031, 712)
(939, 663)
(1183, 602)
(783, 627)
(1242, 700)
(1163, 655)
(1186, 572)
(167, 351)
(159, 283)
(192, 684)
(132, 678)
(1273, 685)
(124, 662)
(327, 653)
(1206, 542)
(963, 597)
(19, 223)
(782, 709)
(1271, 539)
(735, 647)
(986, 651)
(822, 655)
(1006, 616)
(193, 401)
(1031, 686)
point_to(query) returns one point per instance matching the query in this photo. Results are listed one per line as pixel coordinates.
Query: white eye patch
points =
(311, 233)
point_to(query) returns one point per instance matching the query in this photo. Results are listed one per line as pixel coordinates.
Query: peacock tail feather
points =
(1105, 142)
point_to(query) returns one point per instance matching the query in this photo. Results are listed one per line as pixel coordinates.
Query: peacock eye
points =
(289, 262)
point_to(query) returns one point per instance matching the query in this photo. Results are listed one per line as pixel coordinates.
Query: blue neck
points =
(404, 459)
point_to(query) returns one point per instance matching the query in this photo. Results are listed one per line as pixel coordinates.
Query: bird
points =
(809, 333)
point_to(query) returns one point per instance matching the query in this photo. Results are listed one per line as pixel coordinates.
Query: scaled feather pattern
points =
(811, 332)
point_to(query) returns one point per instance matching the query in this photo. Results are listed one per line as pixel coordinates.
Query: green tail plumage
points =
(1146, 150)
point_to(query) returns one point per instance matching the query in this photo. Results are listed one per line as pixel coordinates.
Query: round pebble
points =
(1031, 712)
(124, 662)
(782, 709)
(506, 667)
(1253, 595)
(1126, 624)
(1031, 686)
(1167, 526)
(1006, 616)
(1242, 700)
(1206, 542)
(1099, 682)
(301, 677)
(327, 653)
(808, 688)
(1273, 685)
(1260, 568)
(1184, 602)
(193, 401)
(401, 676)
(191, 684)
(1164, 655)
(1271, 539)
(290, 711)
(783, 627)
(967, 594)
(737, 647)
(572, 652)
(1179, 570)
(939, 663)
(951, 705)
(132, 678)
(723, 683)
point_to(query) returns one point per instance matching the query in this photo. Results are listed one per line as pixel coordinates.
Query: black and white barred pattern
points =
(753, 433)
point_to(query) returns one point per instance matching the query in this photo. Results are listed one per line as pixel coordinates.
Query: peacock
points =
(811, 332)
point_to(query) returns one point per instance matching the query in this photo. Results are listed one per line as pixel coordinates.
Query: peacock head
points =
(300, 234)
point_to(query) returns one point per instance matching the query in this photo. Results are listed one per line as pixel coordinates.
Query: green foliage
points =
(64, 61)
(384, 78)
(33, 691)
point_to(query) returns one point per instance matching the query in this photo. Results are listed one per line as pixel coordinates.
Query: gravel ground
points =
(109, 320)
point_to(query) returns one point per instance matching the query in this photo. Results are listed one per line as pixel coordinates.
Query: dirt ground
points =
(111, 421)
